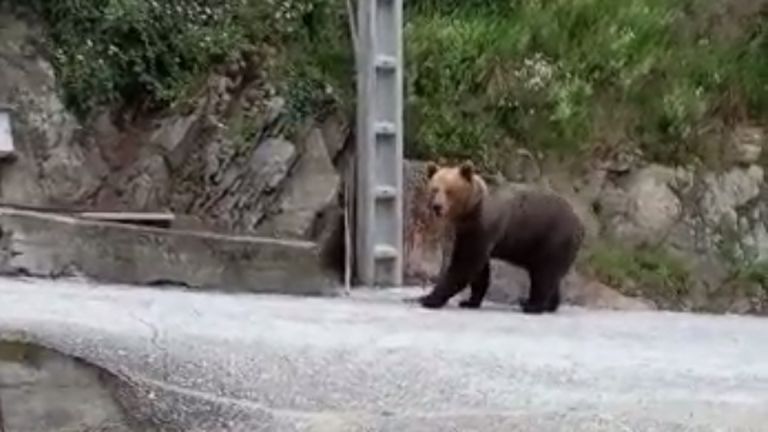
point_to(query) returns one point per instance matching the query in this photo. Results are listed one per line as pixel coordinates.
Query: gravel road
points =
(371, 362)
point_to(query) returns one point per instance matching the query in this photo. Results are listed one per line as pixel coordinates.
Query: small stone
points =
(724, 192)
(233, 69)
(253, 95)
(275, 108)
(747, 144)
(594, 294)
(748, 154)
(335, 131)
(171, 131)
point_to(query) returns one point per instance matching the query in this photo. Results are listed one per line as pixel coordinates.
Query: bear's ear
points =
(431, 169)
(467, 170)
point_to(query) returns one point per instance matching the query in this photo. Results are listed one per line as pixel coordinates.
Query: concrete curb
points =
(50, 245)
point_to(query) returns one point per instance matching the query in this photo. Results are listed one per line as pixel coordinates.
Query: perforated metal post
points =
(379, 224)
(7, 148)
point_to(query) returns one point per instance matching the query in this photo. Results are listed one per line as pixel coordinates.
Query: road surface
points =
(213, 362)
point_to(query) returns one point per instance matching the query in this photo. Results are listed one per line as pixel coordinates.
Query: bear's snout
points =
(437, 209)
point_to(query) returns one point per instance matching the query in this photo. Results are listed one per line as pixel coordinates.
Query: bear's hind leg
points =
(554, 300)
(545, 293)
(479, 287)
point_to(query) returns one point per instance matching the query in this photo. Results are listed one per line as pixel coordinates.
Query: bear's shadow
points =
(454, 305)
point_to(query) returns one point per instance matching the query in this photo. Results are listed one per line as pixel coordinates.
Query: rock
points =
(643, 208)
(748, 154)
(523, 167)
(746, 145)
(175, 135)
(274, 108)
(508, 283)
(56, 246)
(145, 186)
(186, 222)
(52, 165)
(141, 186)
(757, 238)
(725, 192)
(312, 186)
(594, 294)
(43, 390)
(622, 162)
(272, 159)
(335, 132)
(711, 221)
(107, 136)
(240, 192)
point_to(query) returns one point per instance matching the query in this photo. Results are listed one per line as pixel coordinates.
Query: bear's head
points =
(454, 191)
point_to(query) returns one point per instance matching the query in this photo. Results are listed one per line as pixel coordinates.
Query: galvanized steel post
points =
(379, 165)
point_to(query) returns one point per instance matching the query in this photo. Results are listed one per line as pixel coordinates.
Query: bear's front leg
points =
(468, 259)
(479, 287)
(446, 287)
(433, 301)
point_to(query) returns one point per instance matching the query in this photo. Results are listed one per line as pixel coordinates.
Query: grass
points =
(648, 272)
(483, 77)
(755, 274)
(574, 77)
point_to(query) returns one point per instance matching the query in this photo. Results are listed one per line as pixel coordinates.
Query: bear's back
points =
(523, 220)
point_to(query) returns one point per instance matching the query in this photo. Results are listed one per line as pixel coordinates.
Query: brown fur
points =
(534, 230)
(454, 190)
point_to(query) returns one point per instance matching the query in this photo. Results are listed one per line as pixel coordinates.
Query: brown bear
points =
(535, 230)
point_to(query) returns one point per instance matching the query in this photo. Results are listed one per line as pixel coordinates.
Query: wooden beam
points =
(161, 220)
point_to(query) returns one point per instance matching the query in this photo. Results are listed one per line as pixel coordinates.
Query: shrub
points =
(566, 76)
(137, 51)
(649, 272)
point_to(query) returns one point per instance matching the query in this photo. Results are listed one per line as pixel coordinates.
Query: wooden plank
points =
(163, 220)
(158, 219)
(127, 216)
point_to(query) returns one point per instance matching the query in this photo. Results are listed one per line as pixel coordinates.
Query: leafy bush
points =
(649, 272)
(131, 51)
(559, 75)
(482, 76)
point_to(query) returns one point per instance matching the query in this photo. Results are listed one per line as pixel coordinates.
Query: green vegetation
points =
(483, 76)
(576, 76)
(647, 271)
(746, 270)
(150, 52)
(755, 273)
